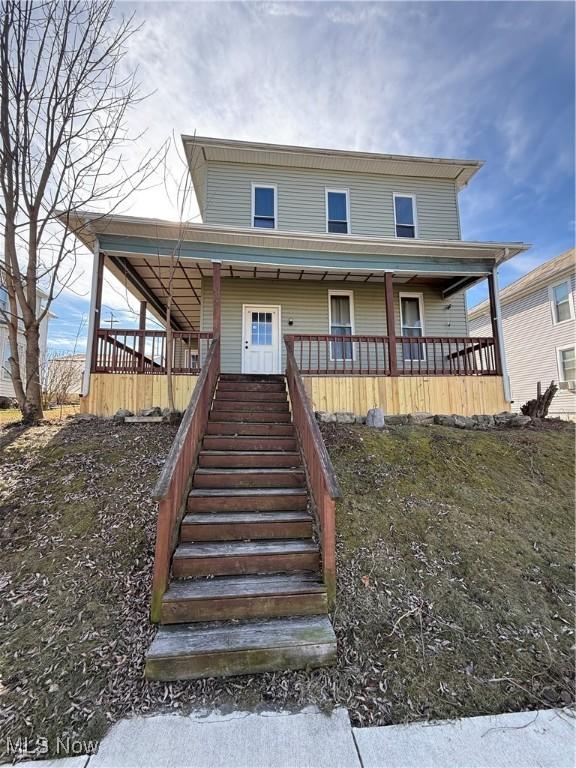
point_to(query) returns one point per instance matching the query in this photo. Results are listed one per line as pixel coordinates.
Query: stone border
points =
(378, 419)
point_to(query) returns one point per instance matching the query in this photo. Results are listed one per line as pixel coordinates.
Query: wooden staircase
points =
(246, 593)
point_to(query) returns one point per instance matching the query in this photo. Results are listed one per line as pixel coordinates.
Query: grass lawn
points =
(13, 415)
(455, 578)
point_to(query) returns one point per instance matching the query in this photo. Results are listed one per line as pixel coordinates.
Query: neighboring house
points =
(539, 332)
(6, 386)
(347, 256)
(344, 270)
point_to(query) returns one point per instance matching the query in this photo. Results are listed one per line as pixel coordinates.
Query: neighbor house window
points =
(341, 318)
(3, 300)
(561, 298)
(264, 206)
(405, 215)
(567, 364)
(337, 211)
(412, 324)
(4, 361)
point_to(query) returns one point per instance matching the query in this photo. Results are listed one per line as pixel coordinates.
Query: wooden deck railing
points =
(137, 351)
(358, 355)
(321, 476)
(173, 485)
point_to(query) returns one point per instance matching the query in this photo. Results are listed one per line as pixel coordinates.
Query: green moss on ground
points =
(455, 578)
(456, 565)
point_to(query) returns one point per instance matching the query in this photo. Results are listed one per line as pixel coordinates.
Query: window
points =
(337, 211)
(264, 213)
(412, 324)
(405, 215)
(4, 361)
(341, 318)
(567, 364)
(3, 299)
(561, 299)
(261, 329)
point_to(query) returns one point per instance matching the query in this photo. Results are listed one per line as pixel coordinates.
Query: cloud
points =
(446, 79)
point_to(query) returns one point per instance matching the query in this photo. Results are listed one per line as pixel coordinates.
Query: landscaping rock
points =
(344, 417)
(398, 420)
(501, 419)
(375, 418)
(156, 411)
(463, 422)
(444, 420)
(421, 417)
(324, 417)
(121, 414)
(483, 420)
(519, 420)
(360, 419)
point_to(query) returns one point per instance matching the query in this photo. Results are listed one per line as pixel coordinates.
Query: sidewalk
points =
(311, 739)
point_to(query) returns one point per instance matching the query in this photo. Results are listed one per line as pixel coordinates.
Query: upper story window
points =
(337, 211)
(561, 299)
(264, 206)
(405, 215)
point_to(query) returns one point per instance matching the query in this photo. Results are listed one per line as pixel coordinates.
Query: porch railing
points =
(359, 355)
(321, 476)
(174, 483)
(144, 351)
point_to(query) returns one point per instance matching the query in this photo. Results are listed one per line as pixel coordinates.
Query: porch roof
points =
(89, 226)
(139, 252)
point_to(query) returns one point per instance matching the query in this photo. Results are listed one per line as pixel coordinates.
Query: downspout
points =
(91, 320)
(503, 360)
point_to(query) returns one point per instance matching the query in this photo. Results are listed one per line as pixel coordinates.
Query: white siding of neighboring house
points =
(6, 387)
(302, 199)
(531, 339)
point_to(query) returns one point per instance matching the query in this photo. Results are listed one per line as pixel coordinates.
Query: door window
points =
(261, 329)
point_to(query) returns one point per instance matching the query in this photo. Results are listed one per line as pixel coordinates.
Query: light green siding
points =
(306, 302)
(301, 200)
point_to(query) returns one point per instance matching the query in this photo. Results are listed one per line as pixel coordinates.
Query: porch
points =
(364, 330)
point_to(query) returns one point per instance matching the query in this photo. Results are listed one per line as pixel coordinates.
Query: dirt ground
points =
(455, 578)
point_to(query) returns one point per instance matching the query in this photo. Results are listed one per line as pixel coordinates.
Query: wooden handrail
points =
(122, 351)
(362, 355)
(322, 479)
(173, 485)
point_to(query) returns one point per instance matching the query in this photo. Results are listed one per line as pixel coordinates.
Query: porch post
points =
(216, 299)
(391, 324)
(99, 258)
(494, 322)
(142, 335)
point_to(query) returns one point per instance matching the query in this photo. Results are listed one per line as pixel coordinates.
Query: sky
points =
(488, 80)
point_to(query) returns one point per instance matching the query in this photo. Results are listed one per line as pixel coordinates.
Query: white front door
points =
(261, 339)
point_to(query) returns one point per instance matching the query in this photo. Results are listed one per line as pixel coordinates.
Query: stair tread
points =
(272, 516)
(235, 471)
(247, 491)
(244, 586)
(244, 548)
(253, 452)
(222, 637)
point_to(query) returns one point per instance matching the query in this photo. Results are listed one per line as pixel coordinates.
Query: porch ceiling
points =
(148, 278)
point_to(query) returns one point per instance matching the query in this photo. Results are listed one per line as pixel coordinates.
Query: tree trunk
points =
(32, 409)
(538, 408)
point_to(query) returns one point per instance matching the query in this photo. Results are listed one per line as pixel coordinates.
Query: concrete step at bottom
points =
(221, 649)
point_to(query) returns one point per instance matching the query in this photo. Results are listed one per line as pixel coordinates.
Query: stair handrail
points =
(322, 479)
(173, 486)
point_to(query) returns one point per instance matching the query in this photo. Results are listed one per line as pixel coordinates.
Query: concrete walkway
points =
(311, 739)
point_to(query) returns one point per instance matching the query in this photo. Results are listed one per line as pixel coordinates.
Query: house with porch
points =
(318, 280)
